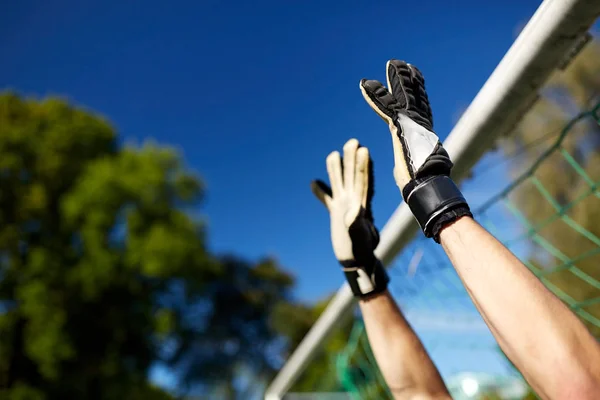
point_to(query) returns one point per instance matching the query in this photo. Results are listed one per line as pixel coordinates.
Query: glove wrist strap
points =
(436, 202)
(365, 281)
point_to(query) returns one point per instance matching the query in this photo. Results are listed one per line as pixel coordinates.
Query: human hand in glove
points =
(422, 166)
(353, 234)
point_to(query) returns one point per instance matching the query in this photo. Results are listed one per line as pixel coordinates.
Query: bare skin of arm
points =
(401, 357)
(551, 347)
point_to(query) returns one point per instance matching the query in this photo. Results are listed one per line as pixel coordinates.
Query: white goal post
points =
(544, 44)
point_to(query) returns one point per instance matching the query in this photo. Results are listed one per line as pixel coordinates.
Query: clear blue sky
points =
(256, 94)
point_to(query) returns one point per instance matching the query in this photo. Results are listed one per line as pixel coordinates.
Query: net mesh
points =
(548, 215)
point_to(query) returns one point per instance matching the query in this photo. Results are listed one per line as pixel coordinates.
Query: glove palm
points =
(353, 234)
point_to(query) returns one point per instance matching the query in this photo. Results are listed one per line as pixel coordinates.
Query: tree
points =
(104, 273)
(336, 367)
(293, 321)
(237, 347)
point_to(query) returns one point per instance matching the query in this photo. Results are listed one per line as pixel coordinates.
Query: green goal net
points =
(539, 193)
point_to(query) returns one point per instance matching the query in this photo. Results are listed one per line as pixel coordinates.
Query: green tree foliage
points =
(293, 321)
(335, 367)
(103, 271)
(237, 338)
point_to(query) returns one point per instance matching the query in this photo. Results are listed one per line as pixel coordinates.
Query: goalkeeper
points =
(553, 350)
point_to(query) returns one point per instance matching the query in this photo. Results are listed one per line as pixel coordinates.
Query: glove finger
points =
(380, 100)
(407, 85)
(362, 175)
(422, 106)
(399, 78)
(322, 191)
(334, 169)
(370, 189)
(349, 161)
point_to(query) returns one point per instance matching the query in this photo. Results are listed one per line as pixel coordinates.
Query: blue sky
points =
(256, 94)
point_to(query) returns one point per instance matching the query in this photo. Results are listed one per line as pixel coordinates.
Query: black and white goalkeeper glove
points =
(422, 166)
(353, 234)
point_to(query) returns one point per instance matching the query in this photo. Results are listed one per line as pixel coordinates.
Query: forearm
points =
(400, 355)
(541, 336)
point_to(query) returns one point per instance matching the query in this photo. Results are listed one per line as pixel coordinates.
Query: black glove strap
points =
(436, 202)
(365, 281)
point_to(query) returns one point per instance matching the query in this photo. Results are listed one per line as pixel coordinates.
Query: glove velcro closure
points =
(365, 281)
(436, 202)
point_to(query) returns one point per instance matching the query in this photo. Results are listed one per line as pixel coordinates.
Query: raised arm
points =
(401, 357)
(541, 336)
(557, 355)
(404, 363)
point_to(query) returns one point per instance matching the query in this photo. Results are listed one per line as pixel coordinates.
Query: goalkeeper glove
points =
(422, 166)
(353, 234)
